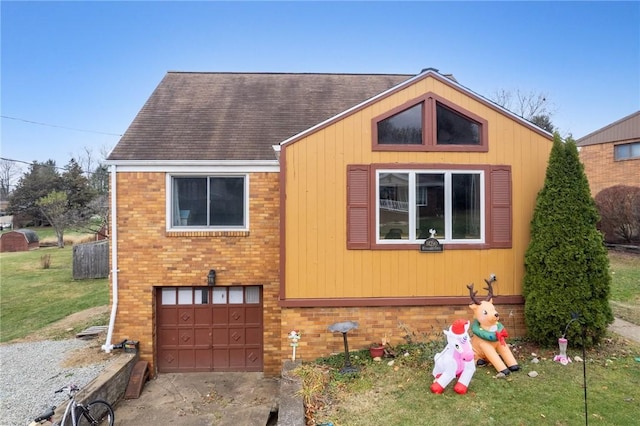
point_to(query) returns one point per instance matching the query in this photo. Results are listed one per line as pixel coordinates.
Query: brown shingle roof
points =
(627, 128)
(236, 116)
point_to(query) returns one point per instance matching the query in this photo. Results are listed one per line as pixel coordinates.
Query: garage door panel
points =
(202, 337)
(202, 359)
(168, 360)
(186, 316)
(220, 316)
(202, 315)
(209, 329)
(186, 337)
(186, 359)
(220, 337)
(236, 337)
(253, 358)
(236, 316)
(168, 336)
(220, 358)
(253, 336)
(237, 357)
(168, 315)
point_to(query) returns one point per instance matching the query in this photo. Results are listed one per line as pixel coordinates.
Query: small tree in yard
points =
(566, 263)
(54, 208)
(619, 208)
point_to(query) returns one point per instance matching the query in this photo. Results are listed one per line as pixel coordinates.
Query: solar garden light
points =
(344, 327)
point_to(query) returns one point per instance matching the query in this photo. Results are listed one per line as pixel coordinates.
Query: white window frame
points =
(413, 237)
(169, 202)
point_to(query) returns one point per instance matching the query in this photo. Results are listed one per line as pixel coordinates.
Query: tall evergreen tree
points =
(40, 180)
(566, 263)
(77, 186)
(99, 180)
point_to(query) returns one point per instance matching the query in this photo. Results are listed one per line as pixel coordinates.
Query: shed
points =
(19, 240)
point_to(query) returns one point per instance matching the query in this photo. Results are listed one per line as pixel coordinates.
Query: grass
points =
(625, 286)
(398, 394)
(32, 297)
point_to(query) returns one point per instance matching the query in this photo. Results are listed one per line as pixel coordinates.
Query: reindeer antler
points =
(489, 286)
(473, 294)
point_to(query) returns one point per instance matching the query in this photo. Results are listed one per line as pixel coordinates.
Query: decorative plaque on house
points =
(431, 244)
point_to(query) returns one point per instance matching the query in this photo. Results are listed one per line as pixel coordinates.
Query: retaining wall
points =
(109, 386)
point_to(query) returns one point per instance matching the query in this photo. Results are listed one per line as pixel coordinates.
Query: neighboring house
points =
(6, 222)
(251, 205)
(611, 155)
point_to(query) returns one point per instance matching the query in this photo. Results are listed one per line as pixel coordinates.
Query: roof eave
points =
(426, 73)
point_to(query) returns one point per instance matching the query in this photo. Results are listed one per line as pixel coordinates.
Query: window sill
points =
(430, 148)
(206, 233)
(446, 246)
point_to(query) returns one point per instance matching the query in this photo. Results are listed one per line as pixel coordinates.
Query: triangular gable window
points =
(429, 123)
(454, 128)
(403, 128)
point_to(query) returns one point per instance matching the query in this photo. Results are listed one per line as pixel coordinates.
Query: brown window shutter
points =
(358, 207)
(500, 203)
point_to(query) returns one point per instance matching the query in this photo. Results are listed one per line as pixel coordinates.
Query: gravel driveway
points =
(31, 372)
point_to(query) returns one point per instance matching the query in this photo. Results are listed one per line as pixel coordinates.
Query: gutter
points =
(108, 346)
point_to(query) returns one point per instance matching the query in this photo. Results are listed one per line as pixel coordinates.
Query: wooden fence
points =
(91, 260)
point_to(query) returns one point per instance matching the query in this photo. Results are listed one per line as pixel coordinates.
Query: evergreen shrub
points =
(566, 262)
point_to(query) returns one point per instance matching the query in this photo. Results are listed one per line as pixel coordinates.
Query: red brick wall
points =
(423, 322)
(149, 257)
(603, 172)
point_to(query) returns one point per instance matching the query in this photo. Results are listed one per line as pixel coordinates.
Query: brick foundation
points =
(420, 322)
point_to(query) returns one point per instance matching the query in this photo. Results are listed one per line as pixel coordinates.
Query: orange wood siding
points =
(148, 257)
(318, 265)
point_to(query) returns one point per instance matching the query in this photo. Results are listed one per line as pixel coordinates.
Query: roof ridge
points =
(284, 73)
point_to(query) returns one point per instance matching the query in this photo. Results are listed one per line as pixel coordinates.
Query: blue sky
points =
(90, 66)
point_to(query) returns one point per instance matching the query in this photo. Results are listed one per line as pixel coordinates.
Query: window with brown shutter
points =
(398, 207)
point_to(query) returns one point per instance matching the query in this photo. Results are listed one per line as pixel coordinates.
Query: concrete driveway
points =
(194, 399)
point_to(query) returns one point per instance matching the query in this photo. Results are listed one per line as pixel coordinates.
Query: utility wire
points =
(31, 163)
(60, 127)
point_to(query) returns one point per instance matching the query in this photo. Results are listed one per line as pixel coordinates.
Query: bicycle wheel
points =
(97, 412)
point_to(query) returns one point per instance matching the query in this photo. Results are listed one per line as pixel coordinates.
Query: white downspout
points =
(108, 346)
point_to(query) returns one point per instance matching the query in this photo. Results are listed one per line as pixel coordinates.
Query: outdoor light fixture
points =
(211, 278)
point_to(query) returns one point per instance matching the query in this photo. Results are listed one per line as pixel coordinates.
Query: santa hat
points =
(458, 326)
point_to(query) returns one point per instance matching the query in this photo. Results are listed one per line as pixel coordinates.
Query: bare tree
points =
(531, 106)
(526, 105)
(9, 172)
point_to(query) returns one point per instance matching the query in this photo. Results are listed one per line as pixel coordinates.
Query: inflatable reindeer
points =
(489, 334)
(456, 360)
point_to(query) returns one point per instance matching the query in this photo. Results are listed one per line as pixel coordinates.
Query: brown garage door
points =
(209, 329)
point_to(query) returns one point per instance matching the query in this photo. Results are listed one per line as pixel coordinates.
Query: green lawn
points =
(398, 394)
(625, 285)
(32, 297)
